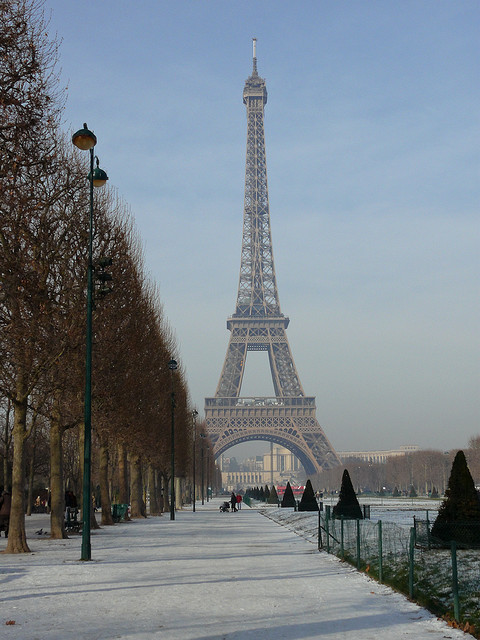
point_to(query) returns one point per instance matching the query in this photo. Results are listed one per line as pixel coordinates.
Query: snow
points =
(399, 511)
(205, 575)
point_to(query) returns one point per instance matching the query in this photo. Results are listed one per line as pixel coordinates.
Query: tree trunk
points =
(152, 487)
(6, 446)
(31, 475)
(122, 475)
(178, 493)
(165, 493)
(104, 493)
(158, 491)
(93, 521)
(5, 469)
(57, 503)
(81, 446)
(17, 539)
(137, 505)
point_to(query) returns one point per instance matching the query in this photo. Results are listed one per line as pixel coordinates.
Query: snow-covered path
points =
(206, 575)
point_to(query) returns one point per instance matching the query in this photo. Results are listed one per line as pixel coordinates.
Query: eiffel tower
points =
(288, 418)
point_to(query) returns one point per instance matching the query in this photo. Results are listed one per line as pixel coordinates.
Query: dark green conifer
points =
(308, 501)
(273, 497)
(347, 505)
(288, 499)
(266, 493)
(459, 514)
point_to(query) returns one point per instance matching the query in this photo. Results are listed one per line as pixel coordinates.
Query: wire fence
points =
(443, 577)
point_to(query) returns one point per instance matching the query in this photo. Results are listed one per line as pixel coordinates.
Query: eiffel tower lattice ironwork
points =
(288, 418)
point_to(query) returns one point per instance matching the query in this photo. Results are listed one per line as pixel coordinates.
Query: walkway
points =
(205, 575)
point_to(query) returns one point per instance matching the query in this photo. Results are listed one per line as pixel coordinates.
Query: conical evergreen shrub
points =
(308, 501)
(266, 493)
(288, 499)
(347, 505)
(459, 514)
(273, 497)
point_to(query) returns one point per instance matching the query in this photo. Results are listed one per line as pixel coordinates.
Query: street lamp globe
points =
(84, 139)
(99, 176)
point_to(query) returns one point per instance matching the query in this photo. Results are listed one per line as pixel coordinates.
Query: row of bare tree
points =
(44, 213)
(426, 471)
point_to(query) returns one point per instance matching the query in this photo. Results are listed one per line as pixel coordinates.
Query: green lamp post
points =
(203, 436)
(172, 365)
(85, 140)
(194, 419)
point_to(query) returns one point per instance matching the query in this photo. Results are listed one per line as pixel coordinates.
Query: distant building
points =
(378, 456)
(280, 465)
(276, 467)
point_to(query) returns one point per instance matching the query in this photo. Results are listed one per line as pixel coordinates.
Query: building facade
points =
(277, 467)
(378, 456)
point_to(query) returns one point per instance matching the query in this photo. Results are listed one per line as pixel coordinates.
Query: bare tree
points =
(30, 109)
(473, 457)
(43, 237)
(6, 432)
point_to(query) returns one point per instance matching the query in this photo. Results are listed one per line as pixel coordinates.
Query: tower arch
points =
(303, 455)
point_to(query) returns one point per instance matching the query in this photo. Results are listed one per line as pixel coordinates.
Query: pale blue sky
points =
(372, 131)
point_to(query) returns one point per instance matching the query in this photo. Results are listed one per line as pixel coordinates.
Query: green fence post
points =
(456, 603)
(380, 552)
(428, 532)
(319, 530)
(411, 560)
(342, 548)
(327, 532)
(358, 544)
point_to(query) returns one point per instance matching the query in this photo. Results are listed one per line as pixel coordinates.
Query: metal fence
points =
(446, 580)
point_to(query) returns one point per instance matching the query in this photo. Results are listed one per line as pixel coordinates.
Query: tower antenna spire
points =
(254, 40)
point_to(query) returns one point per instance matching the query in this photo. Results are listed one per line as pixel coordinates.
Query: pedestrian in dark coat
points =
(233, 501)
(5, 506)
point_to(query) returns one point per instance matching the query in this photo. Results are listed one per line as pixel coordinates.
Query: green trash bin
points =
(119, 512)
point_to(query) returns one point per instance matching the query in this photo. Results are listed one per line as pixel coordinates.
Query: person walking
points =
(5, 506)
(239, 501)
(233, 501)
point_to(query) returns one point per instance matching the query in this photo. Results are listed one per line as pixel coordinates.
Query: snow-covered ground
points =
(401, 511)
(205, 575)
